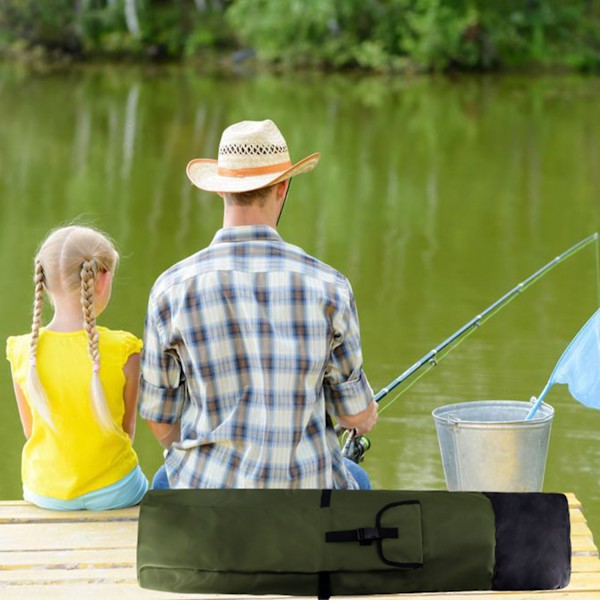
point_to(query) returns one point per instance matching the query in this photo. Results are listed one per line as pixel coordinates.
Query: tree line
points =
(376, 35)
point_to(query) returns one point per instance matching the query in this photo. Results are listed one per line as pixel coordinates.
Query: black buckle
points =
(366, 535)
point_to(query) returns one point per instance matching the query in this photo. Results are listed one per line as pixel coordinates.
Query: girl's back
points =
(77, 455)
(76, 383)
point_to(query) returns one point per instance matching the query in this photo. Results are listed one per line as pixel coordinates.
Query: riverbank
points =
(391, 37)
(244, 63)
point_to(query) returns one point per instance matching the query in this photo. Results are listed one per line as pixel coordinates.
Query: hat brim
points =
(202, 172)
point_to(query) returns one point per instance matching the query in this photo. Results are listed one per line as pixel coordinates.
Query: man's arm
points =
(162, 386)
(361, 422)
(348, 395)
(165, 433)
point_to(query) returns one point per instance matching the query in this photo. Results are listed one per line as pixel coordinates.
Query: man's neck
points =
(239, 216)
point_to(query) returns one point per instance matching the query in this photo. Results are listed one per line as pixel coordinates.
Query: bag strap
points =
(365, 536)
(324, 586)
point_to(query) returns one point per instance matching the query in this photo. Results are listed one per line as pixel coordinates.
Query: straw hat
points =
(252, 155)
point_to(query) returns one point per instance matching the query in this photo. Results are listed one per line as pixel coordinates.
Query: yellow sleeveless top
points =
(78, 456)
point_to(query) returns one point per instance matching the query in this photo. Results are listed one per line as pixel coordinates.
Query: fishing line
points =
(284, 199)
(438, 356)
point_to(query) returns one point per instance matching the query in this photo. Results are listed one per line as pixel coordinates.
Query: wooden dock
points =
(85, 555)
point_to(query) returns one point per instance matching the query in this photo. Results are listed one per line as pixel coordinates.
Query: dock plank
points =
(130, 592)
(87, 555)
(43, 536)
(22, 512)
(580, 564)
(70, 558)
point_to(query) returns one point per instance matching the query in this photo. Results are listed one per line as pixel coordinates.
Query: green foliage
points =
(294, 31)
(51, 23)
(173, 29)
(379, 35)
(427, 34)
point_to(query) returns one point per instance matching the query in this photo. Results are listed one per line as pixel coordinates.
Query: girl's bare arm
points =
(130, 393)
(24, 410)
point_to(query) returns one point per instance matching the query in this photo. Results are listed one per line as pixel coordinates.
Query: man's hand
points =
(361, 422)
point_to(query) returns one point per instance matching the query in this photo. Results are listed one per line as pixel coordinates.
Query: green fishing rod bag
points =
(342, 542)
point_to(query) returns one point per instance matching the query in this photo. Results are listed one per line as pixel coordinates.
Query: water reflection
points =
(434, 196)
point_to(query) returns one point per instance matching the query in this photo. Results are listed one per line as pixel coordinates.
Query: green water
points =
(434, 196)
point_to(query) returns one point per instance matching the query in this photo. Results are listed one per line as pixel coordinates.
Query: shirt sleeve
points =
(131, 345)
(162, 386)
(347, 390)
(15, 354)
(10, 345)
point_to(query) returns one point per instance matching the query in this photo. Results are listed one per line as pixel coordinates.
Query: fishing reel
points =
(355, 446)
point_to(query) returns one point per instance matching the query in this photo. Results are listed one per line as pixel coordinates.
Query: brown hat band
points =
(248, 172)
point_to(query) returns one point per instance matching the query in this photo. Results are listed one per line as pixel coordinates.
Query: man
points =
(251, 345)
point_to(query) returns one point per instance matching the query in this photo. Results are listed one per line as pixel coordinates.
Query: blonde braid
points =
(88, 279)
(89, 271)
(36, 391)
(38, 302)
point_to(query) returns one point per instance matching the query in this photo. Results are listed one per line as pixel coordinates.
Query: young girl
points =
(76, 383)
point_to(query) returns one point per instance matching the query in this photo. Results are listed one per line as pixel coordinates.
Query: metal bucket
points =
(488, 446)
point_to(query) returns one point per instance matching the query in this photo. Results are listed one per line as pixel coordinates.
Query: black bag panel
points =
(533, 541)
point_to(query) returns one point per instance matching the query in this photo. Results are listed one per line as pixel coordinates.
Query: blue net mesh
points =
(579, 366)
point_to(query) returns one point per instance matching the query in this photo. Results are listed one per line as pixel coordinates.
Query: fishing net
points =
(579, 366)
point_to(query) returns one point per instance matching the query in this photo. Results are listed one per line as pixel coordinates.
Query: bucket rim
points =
(544, 414)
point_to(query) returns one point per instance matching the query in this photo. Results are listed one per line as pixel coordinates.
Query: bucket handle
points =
(452, 420)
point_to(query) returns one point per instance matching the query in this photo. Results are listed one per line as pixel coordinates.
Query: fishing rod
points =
(355, 446)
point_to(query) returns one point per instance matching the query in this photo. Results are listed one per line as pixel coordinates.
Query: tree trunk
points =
(130, 130)
(131, 18)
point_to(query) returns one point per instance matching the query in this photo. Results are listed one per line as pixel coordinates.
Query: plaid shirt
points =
(251, 343)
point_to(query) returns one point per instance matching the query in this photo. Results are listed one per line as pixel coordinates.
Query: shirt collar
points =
(246, 233)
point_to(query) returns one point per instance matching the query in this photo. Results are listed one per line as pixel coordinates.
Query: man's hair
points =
(248, 198)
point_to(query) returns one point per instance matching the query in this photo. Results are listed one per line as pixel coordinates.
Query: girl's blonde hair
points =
(70, 259)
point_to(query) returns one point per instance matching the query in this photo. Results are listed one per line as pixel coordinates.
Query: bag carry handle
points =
(365, 536)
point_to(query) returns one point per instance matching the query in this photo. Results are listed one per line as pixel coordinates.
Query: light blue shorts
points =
(126, 492)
